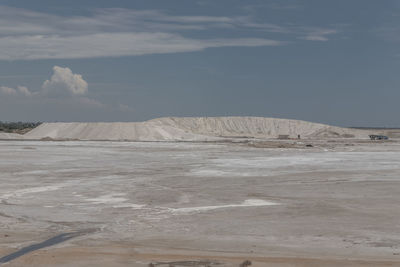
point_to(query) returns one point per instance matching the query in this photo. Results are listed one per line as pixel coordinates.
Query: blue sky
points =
(333, 62)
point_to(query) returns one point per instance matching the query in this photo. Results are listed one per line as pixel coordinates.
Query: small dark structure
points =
(378, 137)
(246, 263)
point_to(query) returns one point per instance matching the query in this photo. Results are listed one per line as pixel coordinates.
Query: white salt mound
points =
(10, 136)
(192, 129)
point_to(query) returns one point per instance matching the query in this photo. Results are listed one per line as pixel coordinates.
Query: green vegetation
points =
(17, 127)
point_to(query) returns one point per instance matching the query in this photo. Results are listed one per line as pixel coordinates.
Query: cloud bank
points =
(20, 90)
(24, 90)
(64, 86)
(8, 90)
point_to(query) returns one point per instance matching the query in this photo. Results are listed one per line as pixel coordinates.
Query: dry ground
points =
(131, 204)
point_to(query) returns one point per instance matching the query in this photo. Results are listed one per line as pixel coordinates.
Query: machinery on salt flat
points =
(378, 137)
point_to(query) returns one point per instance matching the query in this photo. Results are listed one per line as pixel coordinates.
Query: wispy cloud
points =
(271, 5)
(112, 45)
(389, 32)
(318, 34)
(114, 32)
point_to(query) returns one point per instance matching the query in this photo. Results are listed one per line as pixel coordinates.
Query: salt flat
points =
(139, 202)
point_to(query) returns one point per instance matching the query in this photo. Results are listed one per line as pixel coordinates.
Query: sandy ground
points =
(131, 204)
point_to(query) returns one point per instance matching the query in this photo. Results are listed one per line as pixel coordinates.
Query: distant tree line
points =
(12, 127)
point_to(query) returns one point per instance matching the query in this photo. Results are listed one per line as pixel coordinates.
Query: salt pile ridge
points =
(10, 136)
(191, 129)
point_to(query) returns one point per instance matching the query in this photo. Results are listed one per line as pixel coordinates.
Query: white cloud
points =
(20, 90)
(66, 85)
(61, 82)
(8, 90)
(63, 87)
(24, 90)
(64, 80)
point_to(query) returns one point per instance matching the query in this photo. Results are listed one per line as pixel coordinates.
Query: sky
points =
(334, 62)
